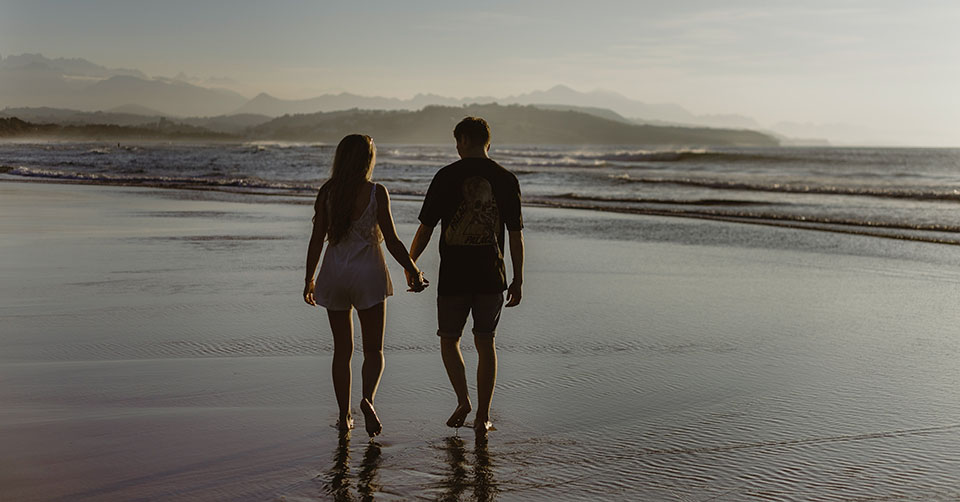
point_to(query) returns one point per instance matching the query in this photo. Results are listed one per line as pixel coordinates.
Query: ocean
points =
(906, 193)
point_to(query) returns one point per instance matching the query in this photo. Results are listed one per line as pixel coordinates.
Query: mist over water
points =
(903, 193)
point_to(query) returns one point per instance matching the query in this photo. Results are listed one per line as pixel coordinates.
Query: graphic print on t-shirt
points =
(477, 219)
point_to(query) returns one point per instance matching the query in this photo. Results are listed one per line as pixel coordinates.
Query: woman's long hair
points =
(352, 165)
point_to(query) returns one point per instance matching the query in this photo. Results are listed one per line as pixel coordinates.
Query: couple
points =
(473, 199)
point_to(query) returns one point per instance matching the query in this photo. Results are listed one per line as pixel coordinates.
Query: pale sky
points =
(887, 65)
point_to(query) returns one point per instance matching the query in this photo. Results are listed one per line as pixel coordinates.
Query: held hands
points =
(514, 293)
(308, 287)
(416, 282)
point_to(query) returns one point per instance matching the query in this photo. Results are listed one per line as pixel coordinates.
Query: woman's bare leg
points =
(341, 324)
(372, 321)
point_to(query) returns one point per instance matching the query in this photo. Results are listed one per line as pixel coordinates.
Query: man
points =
(473, 199)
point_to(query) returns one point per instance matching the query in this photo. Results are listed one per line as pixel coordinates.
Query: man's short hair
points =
(474, 129)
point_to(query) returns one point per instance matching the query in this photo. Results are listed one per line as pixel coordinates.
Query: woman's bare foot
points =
(371, 422)
(459, 415)
(345, 423)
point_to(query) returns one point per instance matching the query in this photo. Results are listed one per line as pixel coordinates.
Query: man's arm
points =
(515, 291)
(419, 244)
(420, 241)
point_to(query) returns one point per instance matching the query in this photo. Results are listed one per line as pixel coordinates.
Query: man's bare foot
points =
(371, 422)
(345, 423)
(483, 425)
(459, 415)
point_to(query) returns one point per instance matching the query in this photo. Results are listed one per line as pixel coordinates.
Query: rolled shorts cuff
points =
(457, 334)
(453, 335)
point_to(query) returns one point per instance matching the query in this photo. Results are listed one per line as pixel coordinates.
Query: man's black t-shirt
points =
(474, 199)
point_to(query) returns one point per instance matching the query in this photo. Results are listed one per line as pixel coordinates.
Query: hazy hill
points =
(265, 104)
(174, 98)
(230, 124)
(31, 80)
(61, 116)
(164, 129)
(511, 124)
(74, 67)
(597, 112)
(133, 116)
(624, 106)
(133, 109)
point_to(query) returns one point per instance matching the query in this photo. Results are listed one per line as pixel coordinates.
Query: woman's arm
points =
(394, 244)
(315, 248)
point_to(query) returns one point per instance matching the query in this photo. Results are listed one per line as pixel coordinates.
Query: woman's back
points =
(353, 270)
(362, 200)
(363, 229)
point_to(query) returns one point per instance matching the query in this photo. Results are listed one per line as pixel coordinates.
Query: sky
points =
(889, 66)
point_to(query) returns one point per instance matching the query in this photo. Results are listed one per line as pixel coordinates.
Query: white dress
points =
(353, 272)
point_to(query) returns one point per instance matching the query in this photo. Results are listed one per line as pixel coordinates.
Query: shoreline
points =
(875, 230)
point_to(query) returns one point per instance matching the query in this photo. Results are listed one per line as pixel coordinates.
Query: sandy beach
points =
(154, 346)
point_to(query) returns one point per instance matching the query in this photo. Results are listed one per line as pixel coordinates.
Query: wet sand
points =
(153, 345)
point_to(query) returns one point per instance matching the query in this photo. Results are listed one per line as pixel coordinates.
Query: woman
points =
(353, 214)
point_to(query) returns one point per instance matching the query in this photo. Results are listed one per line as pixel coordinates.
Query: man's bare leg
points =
(486, 380)
(457, 373)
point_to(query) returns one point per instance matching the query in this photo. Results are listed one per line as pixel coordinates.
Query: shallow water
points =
(154, 345)
(895, 192)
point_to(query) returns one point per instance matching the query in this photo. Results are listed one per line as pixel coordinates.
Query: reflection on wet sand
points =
(458, 479)
(337, 479)
(368, 479)
(484, 486)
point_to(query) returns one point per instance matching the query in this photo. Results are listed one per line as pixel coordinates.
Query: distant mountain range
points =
(31, 80)
(557, 96)
(512, 124)
(33, 84)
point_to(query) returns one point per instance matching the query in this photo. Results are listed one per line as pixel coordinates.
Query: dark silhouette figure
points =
(473, 199)
(354, 214)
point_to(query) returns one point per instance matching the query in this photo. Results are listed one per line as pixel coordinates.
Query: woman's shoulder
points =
(322, 193)
(381, 192)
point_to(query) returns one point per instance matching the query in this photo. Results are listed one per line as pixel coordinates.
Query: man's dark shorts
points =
(452, 314)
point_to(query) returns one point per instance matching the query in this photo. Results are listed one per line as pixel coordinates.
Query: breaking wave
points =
(248, 182)
(915, 193)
